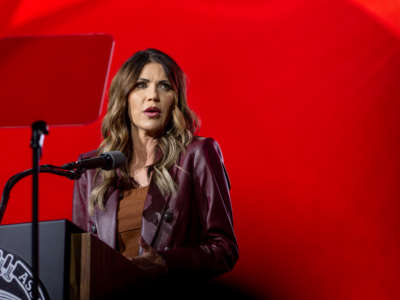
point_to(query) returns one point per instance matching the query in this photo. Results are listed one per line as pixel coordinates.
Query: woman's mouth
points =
(152, 112)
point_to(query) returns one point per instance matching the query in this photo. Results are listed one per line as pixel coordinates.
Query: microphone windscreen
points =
(118, 159)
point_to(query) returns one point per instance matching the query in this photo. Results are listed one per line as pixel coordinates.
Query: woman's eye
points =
(165, 86)
(140, 85)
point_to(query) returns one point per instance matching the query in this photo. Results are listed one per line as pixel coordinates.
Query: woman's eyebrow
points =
(147, 80)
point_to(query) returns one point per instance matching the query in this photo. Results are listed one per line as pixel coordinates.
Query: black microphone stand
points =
(71, 170)
(39, 129)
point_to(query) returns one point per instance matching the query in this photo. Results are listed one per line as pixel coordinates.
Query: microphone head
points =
(115, 159)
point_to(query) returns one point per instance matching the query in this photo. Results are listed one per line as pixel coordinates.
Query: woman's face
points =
(151, 100)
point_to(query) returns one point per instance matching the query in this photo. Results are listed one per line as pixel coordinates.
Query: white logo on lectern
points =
(16, 279)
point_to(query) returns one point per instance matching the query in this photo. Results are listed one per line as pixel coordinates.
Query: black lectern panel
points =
(54, 254)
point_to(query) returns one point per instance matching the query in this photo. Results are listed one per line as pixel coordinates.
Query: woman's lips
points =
(152, 112)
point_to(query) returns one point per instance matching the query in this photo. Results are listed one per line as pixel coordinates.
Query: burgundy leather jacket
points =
(191, 229)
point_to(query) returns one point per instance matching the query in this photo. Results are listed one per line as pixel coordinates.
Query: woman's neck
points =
(143, 148)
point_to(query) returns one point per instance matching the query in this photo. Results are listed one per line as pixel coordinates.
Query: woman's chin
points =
(152, 131)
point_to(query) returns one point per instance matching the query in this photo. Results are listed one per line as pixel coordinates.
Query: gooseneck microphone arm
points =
(107, 161)
(71, 174)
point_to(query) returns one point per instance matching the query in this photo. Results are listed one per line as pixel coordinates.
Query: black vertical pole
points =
(35, 223)
(39, 128)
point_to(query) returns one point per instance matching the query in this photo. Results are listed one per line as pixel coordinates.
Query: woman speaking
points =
(168, 209)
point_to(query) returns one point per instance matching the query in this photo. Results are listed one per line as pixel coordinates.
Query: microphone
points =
(106, 161)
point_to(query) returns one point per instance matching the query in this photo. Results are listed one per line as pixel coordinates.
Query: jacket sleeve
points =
(218, 251)
(80, 215)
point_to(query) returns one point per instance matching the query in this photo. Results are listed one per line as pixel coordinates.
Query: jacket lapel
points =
(153, 211)
(154, 206)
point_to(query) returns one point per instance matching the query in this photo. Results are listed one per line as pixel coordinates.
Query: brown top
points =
(129, 217)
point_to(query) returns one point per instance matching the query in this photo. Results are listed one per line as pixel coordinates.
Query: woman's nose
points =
(152, 93)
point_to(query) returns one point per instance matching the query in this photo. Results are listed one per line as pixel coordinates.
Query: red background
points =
(303, 97)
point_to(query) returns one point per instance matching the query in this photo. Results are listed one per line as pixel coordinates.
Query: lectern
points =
(73, 264)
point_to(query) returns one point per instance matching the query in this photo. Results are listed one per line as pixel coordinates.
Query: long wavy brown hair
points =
(116, 128)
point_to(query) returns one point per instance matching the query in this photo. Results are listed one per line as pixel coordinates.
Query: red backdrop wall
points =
(303, 97)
